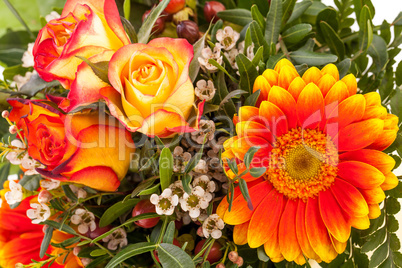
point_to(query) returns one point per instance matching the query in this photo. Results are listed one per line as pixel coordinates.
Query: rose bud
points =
(159, 24)
(145, 206)
(215, 254)
(188, 29)
(174, 6)
(211, 10)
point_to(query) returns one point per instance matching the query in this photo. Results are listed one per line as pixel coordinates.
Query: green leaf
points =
(165, 167)
(245, 193)
(296, 33)
(287, 8)
(248, 73)
(274, 19)
(258, 56)
(262, 256)
(221, 91)
(392, 224)
(343, 67)
(231, 95)
(59, 226)
(127, 9)
(116, 210)
(98, 252)
(394, 242)
(258, 17)
(20, 19)
(379, 255)
(312, 58)
(221, 68)
(378, 51)
(34, 85)
(130, 251)
(99, 68)
(257, 172)
(376, 239)
(142, 186)
(333, 40)
(398, 20)
(328, 15)
(46, 241)
(218, 25)
(146, 28)
(393, 205)
(69, 193)
(70, 241)
(129, 28)
(194, 64)
(186, 183)
(151, 190)
(398, 74)
(194, 160)
(237, 16)
(31, 182)
(4, 172)
(273, 60)
(299, 9)
(169, 234)
(10, 72)
(258, 39)
(252, 99)
(173, 256)
(365, 32)
(248, 157)
(232, 165)
(97, 262)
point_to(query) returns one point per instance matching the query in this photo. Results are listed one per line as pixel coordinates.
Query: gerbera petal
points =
(348, 111)
(359, 222)
(260, 230)
(272, 249)
(379, 160)
(337, 93)
(251, 128)
(286, 76)
(374, 195)
(339, 246)
(271, 76)
(248, 113)
(375, 211)
(359, 135)
(240, 233)
(360, 174)
(317, 233)
(390, 182)
(276, 118)
(242, 145)
(310, 106)
(287, 232)
(312, 75)
(301, 232)
(349, 198)
(331, 69)
(325, 83)
(284, 100)
(351, 83)
(296, 87)
(332, 216)
(240, 212)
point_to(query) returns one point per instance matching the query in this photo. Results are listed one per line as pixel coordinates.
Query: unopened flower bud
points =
(76, 251)
(220, 265)
(13, 129)
(189, 30)
(86, 261)
(239, 261)
(159, 24)
(44, 196)
(233, 256)
(199, 232)
(5, 114)
(211, 10)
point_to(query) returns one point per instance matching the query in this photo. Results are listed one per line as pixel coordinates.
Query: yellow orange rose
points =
(85, 28)
(82, 148)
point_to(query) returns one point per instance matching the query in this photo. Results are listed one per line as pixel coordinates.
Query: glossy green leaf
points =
(229, 109)
(194, 67)
(59, 226)
(31, 182)
(165, 167)
(173, 256)
(127, 9)
(237, 16)
(169, 233)
(69, 193)
(248, 157)
(379, 255)
(330, 16)
(130, 251)
(129, 28)
(296, 33)
(245, 193)
(36, 84)
(365, 32)
(116, 210)
(287, 9)
(46, 241)
(378, 51)
(186, 183)
(299, 9)
(312, 58)
(258, 17)
(343, 67)
(257, 172)
(274, 20)
(333, 40)
(150, 190)
(146, 28)
(252, 99)
(376, 239)
(258, 39)
(248, 73)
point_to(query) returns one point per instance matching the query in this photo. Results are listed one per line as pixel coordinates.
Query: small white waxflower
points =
(80, 193)
(231, 56)
(84, 219)
(49, 184)
(15, 195)
(205, 183)
(184, 217)
(165, 203)
(52, 16)
(207, 54)
(227, 37)
(212, 226)
(194, 202)
(15, 156)
(206, 127)
(201, 167)
(38, 213)
(181, 159)
(205, 90)
(177, 188)
(249, 51)
(115, 239)
(30, 165)
(27, 57)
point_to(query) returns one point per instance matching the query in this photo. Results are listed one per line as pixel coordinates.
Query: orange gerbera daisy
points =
(321, 144)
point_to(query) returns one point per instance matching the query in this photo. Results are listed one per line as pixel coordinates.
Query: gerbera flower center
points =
(303, 163)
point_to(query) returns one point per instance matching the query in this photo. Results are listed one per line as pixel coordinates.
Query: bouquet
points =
(179, 133)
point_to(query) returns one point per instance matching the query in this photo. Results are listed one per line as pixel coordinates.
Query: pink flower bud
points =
(44, 196)
(5, 114)
(13, 129)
